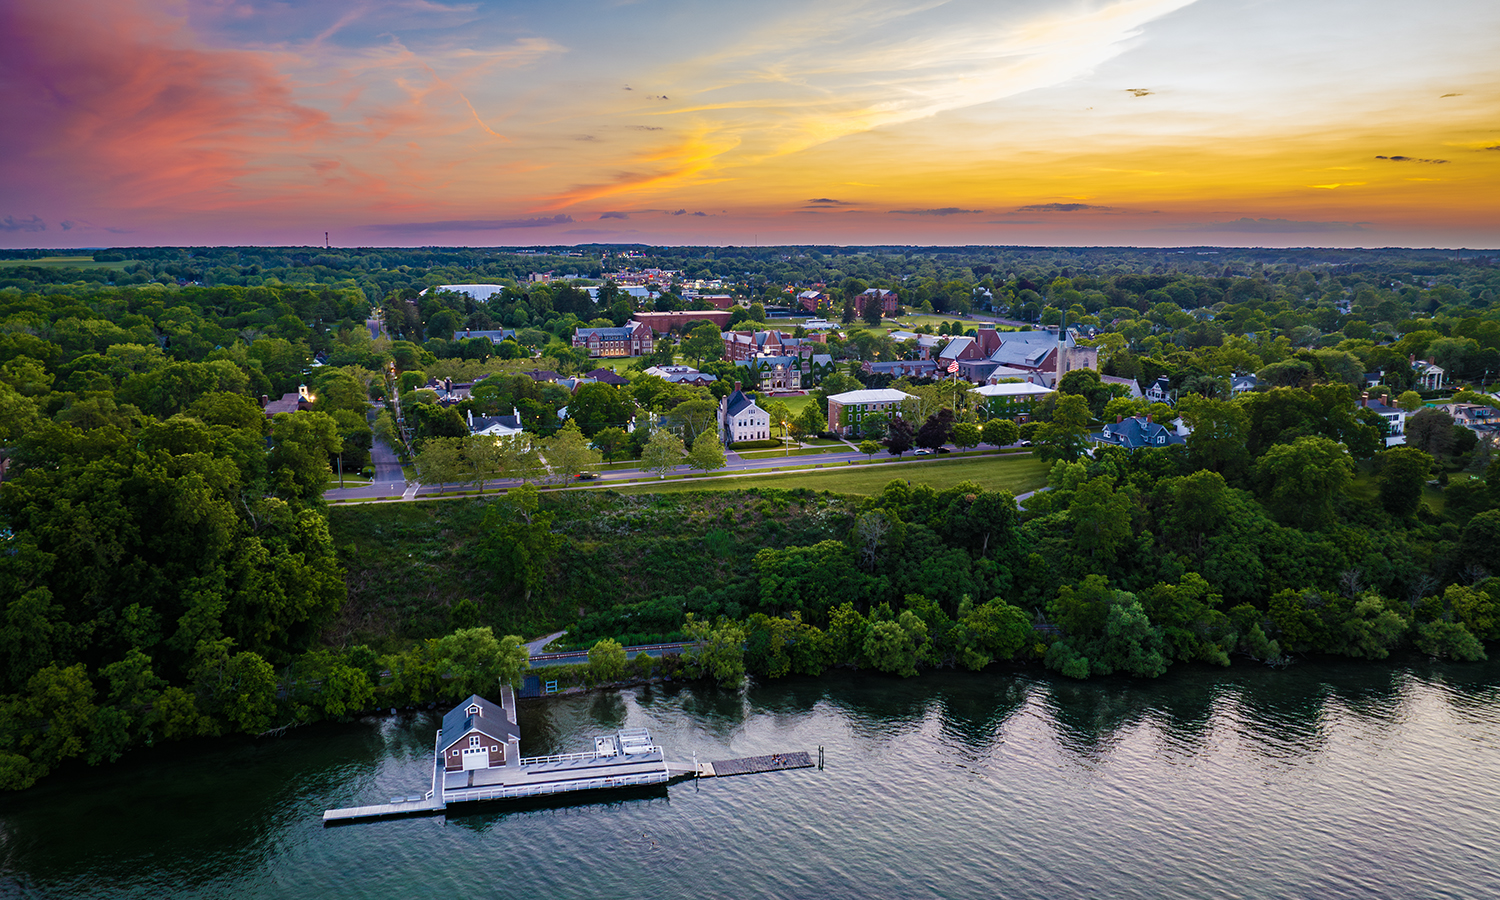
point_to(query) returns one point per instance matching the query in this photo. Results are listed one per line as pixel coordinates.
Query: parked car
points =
(922, 451)
(1026, 443)
(944, 450)
(587, 476)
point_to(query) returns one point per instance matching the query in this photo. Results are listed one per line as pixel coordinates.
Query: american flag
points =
(953, 367)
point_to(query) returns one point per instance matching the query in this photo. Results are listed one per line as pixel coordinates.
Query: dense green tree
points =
(717, 651)
(703, 344)
(518, 544)
(1219, 432)
(1299, 481)
(1067, 435)
(301, 445)
(1403, 473)
(614, 443)
(567, 453)
(606, 661)
(598, 406)
(966, 435)
(476, 662)
(707, 453)
(1000, 432)
(663, 453)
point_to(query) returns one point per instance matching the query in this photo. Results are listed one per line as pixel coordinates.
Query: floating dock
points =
(751, 765)
(476, 759)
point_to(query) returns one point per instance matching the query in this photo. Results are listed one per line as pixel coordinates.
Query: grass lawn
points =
(67, 262)
(1017, 474)
(909, 323)
(794, 405)
(772, 454)
(617, 364)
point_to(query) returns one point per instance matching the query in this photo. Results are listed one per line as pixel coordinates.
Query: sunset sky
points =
(402, 122)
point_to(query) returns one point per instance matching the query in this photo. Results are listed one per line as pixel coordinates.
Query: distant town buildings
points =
(1044, 356)
(631, 339)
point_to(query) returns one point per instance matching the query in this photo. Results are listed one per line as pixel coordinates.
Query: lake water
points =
(1327, 781)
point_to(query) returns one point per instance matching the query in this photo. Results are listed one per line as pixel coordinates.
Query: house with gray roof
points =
(608, 376)
(740, 419)
(495, 426)
(1137, 433)
(478, 734)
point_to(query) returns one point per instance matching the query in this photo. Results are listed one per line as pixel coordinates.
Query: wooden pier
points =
(626, 759)
(751, 765)
(422, 806)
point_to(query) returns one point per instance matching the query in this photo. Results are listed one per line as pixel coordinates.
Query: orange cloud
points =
(106, 98)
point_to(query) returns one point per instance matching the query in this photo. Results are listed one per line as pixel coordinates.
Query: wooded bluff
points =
(170, 570)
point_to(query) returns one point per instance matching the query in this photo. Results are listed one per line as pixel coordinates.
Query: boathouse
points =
(478, 734)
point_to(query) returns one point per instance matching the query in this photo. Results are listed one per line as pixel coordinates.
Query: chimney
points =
(264, 401)
(1364, 399)
(736, 385)
(1148, 418)
(1119, 419)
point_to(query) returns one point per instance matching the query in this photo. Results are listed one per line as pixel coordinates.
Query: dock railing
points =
(585, 756)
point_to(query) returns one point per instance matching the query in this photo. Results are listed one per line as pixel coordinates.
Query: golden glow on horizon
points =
(1029, 121)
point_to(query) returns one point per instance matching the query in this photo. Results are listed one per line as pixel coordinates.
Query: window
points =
(473, 741)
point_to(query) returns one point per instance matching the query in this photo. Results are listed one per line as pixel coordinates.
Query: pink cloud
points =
(109, 107)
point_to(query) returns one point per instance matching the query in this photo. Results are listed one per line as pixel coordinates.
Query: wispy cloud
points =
(1411, 159)
(942, 211)
(33, 223)
(1060, 207)
(614, 215)
(815, 75)
(460, 225)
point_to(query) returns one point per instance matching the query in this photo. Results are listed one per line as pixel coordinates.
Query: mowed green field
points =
(1016, 474)
(66, 262)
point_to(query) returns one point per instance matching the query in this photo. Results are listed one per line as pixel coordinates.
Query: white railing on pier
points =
(586, 756)
(554, 787)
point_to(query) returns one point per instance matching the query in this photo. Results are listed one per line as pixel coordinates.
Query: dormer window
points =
(473, 710)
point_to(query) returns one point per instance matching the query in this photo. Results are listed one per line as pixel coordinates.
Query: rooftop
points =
(1022, 389)
(881, 395)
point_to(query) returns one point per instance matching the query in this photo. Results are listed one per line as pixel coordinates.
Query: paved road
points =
(534, 647)
(389, 479)
(582, 656)
(736, 466)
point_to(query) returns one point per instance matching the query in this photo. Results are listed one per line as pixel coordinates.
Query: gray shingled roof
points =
(490, 721)
(737, 403)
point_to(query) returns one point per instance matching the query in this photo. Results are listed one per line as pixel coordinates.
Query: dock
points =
(751, 765)
(747, 765)
(476, 758)
(422, 806)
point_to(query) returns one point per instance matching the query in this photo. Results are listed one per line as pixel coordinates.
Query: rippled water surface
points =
(1317, 781)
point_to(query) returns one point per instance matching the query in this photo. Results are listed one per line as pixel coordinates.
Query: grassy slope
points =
(1016, 474)
(408, 563)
